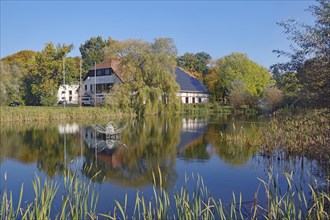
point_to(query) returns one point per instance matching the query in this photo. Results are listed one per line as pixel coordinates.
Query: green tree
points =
(316, 82)
(13, 70)
(93, 51)
(149, 83)
(47, 74)
(310, 56)
(196, 64)
(290, 86)
(9, 83)
(238, 66)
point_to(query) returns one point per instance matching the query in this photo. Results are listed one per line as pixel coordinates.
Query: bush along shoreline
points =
(80, 200)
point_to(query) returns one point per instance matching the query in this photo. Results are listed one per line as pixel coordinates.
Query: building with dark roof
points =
(99, 81)
(104, 75)
(191, 89)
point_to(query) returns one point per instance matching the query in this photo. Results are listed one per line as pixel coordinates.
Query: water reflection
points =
(193, 144)
(150, 143)
(130, 160)
(142, 147)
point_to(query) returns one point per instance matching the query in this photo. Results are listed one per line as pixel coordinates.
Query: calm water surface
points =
(182, 147)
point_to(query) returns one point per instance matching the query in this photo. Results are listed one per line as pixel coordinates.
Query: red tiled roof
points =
(110, 63)
(114, 64)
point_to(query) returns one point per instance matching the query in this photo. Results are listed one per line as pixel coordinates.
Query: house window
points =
(91, 87)
(98, 73)
(107, 72)
(200, 100)
(99, 88)
(187, 100)
(193, 100)
(70, 92)
(70, 98)
(85, 87)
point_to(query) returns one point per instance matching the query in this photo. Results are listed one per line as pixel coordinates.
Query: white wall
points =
(90, 81)
(69, 93)
(199, 97)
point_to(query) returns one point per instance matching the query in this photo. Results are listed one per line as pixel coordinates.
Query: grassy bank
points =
(39, 113)
(215, 108)
(80, 200)
(205, 109)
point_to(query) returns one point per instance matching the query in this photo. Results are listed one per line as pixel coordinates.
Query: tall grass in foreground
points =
(79, 201)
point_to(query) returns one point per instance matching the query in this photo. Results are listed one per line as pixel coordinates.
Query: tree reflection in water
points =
(150, 144)
(43, 145)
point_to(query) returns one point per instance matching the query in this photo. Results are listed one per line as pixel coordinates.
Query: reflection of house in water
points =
(104, 149)
(68, 128)
(192, 145)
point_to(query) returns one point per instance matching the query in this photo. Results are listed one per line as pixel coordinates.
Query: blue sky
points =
(215, 27)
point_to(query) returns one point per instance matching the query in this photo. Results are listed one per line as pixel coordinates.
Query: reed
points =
(79, 201)
(206, 109)
(39, 113)
(305, 133)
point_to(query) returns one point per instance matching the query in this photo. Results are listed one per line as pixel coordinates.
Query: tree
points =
(273, 96)
(316, 82)
(47, 74)
(238, 94)
(238, 66)
(196, 64)
(149, 82)
(93, 51)
(203, 60)
(310, 56)
(13, 70)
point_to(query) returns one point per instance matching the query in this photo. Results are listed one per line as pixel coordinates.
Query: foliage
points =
(315, 79)
(310, 56)
(237, 66)
(92, 51)
(196, 64)
(48, 73)
(238, 94)
(9, 83)
(149, 83)
(13, 69)
(304, 133)
(273, 96)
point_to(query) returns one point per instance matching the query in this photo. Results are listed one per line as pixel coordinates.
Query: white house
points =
(68, 93)
(191, 89)
(99, 81)
(101, 78)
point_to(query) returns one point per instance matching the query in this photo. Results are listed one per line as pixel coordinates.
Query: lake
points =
(181, 147)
